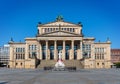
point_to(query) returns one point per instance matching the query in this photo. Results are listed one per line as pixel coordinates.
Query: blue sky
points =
(100, 18)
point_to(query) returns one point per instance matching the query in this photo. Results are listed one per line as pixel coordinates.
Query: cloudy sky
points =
(100, 18)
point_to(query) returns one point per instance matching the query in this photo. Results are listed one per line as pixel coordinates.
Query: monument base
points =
(59, 66)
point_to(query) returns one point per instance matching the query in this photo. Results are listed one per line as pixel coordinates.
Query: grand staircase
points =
(68, 63)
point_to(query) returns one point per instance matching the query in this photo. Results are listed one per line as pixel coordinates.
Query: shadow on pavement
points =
(3, 82)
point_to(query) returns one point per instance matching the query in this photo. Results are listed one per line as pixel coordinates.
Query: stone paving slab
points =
(36, 76)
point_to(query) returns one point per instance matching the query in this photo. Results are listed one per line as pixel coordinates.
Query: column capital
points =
(39, 42)
(46, 40)
(72, 40)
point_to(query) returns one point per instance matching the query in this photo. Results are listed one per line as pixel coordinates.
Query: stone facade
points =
(115, 55)
(59, 36)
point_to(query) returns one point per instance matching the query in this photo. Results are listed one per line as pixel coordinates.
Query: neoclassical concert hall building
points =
(60, 36)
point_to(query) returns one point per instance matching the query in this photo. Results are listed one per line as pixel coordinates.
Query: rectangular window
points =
(16, 49)
(95, 56)
(73, 30)
(67, 29)
(45, 30)
(23, 56)
(50, 29)
(56, 28)
(70, 29)
(102, 56)
(29, 55)
(16, 56)
(23, 49)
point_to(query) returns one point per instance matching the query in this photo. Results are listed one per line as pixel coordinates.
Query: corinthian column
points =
(40, 50)
(81, 49)
(46, 50)
(72, 50)
(79, 52)
(63, 51)
(55, 50)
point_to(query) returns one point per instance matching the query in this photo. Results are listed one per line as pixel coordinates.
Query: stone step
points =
(68, 63)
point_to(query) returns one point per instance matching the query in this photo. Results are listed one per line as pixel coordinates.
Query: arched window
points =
(102, 63)
(21, 64)
(98, 64)
(16, 64)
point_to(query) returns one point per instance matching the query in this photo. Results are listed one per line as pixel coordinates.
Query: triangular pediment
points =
(60, 33)
(62, 23)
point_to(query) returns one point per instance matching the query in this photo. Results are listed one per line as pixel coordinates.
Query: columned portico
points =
(68, 48)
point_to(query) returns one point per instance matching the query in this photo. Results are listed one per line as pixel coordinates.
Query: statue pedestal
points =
(59, 66)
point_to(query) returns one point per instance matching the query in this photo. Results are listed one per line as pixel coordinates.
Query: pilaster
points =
(26, 51)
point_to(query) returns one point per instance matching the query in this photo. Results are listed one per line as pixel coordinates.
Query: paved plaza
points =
(36, 76)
